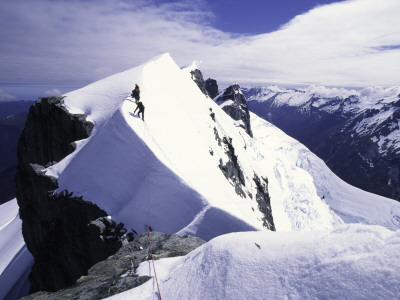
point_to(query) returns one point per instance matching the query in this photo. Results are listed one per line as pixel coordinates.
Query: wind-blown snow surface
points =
(350, 262)
(15, 259)
(164, 172)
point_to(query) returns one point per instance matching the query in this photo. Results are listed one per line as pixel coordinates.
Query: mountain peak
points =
(235, 105)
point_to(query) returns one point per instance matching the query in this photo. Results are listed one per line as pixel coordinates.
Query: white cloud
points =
(53, 92)
(5, 96)
(333, 45)
(350, 43)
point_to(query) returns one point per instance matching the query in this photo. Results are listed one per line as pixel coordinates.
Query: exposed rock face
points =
(232, 169)
(117, 273)
(208, 87)
(197, 77)
(60, 230)
(212, 88)
(264, 201)
(236, 106)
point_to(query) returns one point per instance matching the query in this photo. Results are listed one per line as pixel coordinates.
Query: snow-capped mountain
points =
(188, 168)
(357, 133)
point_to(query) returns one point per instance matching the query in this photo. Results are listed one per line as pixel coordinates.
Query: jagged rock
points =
(117, 273)
(197, 77)
(264, 201)
(236, 106)
(212, 87)
(231, 169)
(217, 137)
(57, 227)
(49, 131)
(212, 115)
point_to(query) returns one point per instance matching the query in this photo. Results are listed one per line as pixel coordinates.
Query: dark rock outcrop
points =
(208, 87)
(63, 232)
(212, 87)
(238, 109)
(117, 273)
(197, 77)
(230, 166)
(264, 201)
(231, 169)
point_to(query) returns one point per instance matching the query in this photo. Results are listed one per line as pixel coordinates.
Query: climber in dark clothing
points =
(140, 106)
(136, 93)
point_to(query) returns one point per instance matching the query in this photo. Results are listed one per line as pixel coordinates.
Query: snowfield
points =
(15, 259)
(351, 204)
(164, 173)
(350, 262)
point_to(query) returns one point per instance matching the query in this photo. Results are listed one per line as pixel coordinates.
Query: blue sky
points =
(258, 16)
(49, 47)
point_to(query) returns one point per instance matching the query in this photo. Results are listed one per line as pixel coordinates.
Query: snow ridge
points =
(166, 173)
(352, 261)
(172, 159)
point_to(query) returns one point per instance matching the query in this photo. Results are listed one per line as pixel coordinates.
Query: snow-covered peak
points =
(176, 165)
(188, 169)
(370, 97)
(195, 65)
(100, 100)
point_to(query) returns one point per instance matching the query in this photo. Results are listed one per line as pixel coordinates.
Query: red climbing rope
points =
(154, 266)
(148, 216)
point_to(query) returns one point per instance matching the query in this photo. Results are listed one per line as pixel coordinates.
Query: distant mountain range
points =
(355, 132)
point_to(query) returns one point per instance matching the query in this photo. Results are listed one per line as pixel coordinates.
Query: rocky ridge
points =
(65, 234)
(208, 87)
(117, 273)
(234, 103)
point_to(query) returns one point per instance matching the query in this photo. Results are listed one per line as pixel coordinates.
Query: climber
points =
(136, 93)
(140, 106)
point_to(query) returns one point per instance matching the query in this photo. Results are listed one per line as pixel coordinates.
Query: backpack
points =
(135, 94)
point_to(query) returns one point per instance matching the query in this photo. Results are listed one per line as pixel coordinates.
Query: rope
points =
(154, 266)
(148, 216)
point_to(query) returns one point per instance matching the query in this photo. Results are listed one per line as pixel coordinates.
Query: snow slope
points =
(15, 259)
(350, 262)
(164, 172)
(353, 205)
